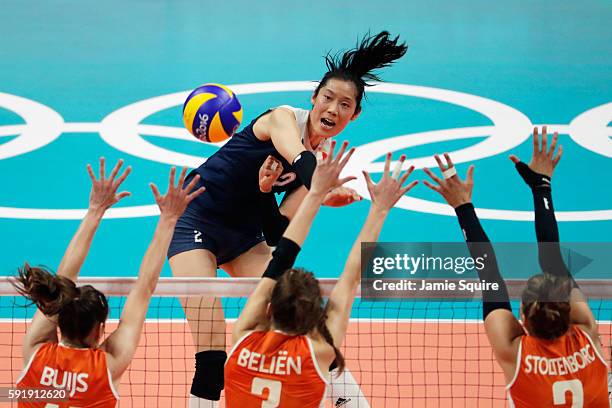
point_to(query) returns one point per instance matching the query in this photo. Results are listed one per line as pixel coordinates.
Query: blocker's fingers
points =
(347, 157)
(558, 157)
(122, 195)
(155, 191)
(432, 175)
(338, 157)
(92, 176)
(367, 177)
(102, 168)
(123, 176)
(553, 144)
(196, 193)
(433, 187)
(192, 183)
(449, 162)
(469, 178)
(116, 169)
(409, 187)
(514, 159)
(398, 167)
(387, 164)
(171, 177)
(330, 156)
(439, 161)
(182, 177)
(345, 180)
(406, 174)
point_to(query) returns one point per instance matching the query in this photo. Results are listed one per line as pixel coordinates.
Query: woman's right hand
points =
(173, 204)
(389, 190)
(269, 172)
(103, 193)
(327, 172)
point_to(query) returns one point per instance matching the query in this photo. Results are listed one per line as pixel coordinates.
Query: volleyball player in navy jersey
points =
(227, 227)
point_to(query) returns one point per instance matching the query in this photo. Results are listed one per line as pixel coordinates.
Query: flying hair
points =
(78, 309)
(373, 52)
(358, 65)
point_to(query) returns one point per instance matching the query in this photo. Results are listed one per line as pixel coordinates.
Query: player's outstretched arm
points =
(538, 176)
(122, 343)
(500, 324)
(103, 195)
(384, 195)
(325, 178)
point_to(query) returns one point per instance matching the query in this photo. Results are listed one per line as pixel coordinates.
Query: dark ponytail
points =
(78, 309)
(357, 65)
(322, 328)
(546, 306)
(297, 307)
(49, 292)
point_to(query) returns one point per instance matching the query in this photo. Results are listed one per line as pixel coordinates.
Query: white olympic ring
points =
(122, 129)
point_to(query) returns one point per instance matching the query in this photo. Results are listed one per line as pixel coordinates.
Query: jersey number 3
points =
(574, 387)
(274, 391)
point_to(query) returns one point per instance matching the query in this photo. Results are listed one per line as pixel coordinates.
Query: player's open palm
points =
(173, 204)
(390, 188)
(326, 175)
(543, 159)
(455, 191)
(103, 193)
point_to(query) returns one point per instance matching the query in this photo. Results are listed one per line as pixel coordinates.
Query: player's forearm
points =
(291, 203)
(79, 246)
(298, 228)
(369, 233)
(155, 256)
(480, 248)
(547, 233)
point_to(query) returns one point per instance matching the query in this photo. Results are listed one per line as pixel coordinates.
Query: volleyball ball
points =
(212, 113)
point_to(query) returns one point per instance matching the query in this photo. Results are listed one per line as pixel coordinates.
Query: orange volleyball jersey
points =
(558, 373)
(82, 372)
(273, 369)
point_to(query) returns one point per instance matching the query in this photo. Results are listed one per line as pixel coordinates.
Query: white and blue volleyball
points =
(212, 113)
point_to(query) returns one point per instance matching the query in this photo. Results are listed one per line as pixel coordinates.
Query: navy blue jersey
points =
(231, 178)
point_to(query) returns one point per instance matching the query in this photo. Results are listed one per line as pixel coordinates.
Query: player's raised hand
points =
(103, 193)
(326, 175)
(390, 188)
(269, 172)
(543, 160)
(455, 191)
(176, 199)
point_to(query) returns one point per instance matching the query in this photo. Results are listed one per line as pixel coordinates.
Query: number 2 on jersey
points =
(574, 387)
(274, 391)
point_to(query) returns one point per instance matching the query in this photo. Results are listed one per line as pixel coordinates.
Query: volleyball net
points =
(400, 352)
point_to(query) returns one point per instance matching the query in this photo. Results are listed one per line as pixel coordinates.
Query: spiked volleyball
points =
(212, 113)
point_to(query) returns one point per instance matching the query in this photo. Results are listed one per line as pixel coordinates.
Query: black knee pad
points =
(208, 378)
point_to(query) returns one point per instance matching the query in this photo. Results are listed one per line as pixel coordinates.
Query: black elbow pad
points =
(304, 165)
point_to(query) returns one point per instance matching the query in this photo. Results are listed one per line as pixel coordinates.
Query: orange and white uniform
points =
(273, 369)
(82, 372)
(565, 372)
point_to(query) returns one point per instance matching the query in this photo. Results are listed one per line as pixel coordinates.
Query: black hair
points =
(357, 65)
